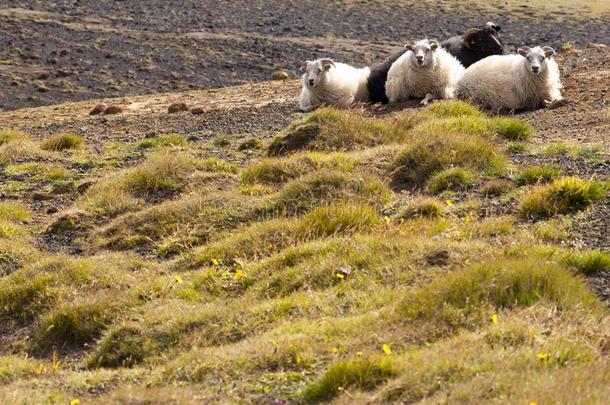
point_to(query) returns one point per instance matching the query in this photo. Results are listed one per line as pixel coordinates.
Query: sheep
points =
(475, 44)
(379, 74)
(527, 80)
(332, 83)
(425, 70)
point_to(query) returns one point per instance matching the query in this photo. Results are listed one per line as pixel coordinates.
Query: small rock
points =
(557, 103)
(113, 109)
(280, 75)
(177, 107)
(37, 196)
(41, 87)
(62, 188)
(596, 46)
(84, 186)
(438, 257)
(197, 111)
(98, 109)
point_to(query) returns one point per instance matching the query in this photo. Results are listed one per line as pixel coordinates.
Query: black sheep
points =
(475, 44)
(378, 77)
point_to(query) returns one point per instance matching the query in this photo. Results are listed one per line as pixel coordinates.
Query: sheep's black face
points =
(485, 41)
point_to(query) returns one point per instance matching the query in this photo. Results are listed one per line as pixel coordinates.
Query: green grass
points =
(62, 142)
(564, 195)
(423, 207)
(537, 174)
(590, 153)
(7, 136)
(500, 284)
(162, 141)
(509, 129)
(359, 373)
(13, 211)
(453, 179)
(429, 155)
(588, 262)
(327, 129)
(252, 143)
(327, 274)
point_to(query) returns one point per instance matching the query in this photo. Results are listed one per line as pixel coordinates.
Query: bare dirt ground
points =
(58, 51)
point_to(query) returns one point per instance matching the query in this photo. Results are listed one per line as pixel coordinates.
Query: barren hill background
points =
(56, 51)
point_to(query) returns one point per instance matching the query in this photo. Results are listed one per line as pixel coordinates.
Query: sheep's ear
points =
(433, 45)
(304, 66)
(548, 51)
(493, 26)
(409, 47)
(523, 51)
(470, 37)
(327, 63)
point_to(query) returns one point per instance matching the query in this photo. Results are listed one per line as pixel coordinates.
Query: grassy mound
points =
(327, 129)
(429, 155)
(62, 142)
(564, 195)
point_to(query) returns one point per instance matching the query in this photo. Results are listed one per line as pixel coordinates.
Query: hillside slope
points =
(253, 253)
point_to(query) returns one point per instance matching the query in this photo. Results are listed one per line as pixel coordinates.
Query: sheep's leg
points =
(429, 97)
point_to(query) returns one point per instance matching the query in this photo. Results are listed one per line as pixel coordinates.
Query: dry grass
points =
(329, 274)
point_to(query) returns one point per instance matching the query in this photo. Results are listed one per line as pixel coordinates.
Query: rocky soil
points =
(57, 51)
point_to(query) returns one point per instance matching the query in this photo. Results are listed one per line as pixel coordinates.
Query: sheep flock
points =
(471, 67)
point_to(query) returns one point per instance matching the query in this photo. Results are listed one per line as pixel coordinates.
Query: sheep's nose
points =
(311, 82)
(420, 57)
(535, 69)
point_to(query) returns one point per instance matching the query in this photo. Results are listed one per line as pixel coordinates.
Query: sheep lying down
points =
(426, 70)
(527, 80)
(325, 82)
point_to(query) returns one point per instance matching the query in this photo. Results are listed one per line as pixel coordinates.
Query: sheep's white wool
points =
(426, 70)
(527, 80)
(330, 83)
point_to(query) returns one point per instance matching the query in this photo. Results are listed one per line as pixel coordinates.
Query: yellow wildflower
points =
(75, 401)
(386, 349)
(178, 279)
(215, 262)
(449, 203)
(238, 275)
(494, 319)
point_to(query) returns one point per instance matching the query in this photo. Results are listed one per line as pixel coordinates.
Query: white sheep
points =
(527, 80)
(331, 83)
(426, 70)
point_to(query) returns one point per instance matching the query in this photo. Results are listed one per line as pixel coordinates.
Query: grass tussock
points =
(13, 212)
(454, 179)
(170, 140)
(588, 262)
(500, 284)
(537, 174)
(278, 171)
(359, 373)
(564, 195)
(328, 129)
(450, 109)
(62, 142)
(496, 187)
(509, 129)
(422, 207)
(326, 186)
(165, 172)
(429, 155)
